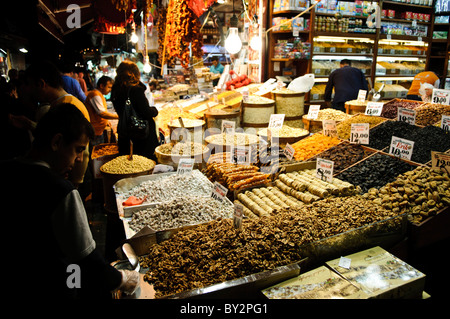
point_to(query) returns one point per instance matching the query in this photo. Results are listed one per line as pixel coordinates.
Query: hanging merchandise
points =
(179, 34)
(113, 20)
(200, 6)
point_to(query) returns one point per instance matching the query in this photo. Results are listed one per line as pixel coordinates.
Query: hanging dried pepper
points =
(179, 27)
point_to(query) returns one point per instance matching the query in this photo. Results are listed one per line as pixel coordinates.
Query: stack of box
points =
(370, 274)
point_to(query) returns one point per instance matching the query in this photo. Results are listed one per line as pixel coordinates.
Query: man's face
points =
(215, 62)
(106, 88)
(66, 154)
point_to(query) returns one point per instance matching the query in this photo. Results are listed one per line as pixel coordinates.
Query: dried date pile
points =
(375, 171)
(215, 252)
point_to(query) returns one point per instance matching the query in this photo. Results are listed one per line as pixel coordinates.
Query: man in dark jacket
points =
(53, 251)
(347, 81)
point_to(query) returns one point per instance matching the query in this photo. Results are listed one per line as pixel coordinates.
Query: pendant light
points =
(233, 43)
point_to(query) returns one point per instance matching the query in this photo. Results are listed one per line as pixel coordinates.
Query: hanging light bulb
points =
(134, 38)
(255, 43)
(233, 43)
(147, 67)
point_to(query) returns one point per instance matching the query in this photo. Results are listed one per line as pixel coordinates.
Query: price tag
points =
(324, 169)
(238, 214)
(359, 133)
(185, 166)
(241, 154)
(313, 112)
(345, 262)
(228, 127)
(440, 161)
(329, 128)
(219, 192)
(445, 123)
(441, 96)
(276, 120)
(414, 23)
(362, 95)
(406, 115)
(374, 108)
(289, 151)
(401, 148)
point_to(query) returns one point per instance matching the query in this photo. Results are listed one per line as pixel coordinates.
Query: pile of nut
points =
(421, 193)
(190, 148)
(215, 252)
(170, 187)
(104, 149)
(284, 131)
(123, 165)
(240, 139)
(180, 212)
(344, 128)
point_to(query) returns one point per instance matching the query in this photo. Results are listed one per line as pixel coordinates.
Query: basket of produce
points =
(122, 167)
(171, 153)
(284, 135)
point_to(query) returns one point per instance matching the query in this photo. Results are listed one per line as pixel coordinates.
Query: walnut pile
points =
(215, 252)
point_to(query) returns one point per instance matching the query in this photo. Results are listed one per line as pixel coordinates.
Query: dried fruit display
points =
(312, 145)
(421, 193)
(215, 252)
(178, 34)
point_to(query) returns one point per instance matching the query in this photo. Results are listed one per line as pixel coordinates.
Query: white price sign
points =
(324, 169)
(238, 214)
(374, 108)
(228, 127)
(219, 192)
(329, 128)
(401, 148)
(362, 95)
(440, 161)
(313, 112)
(359, 133)
(406, 115)
(445, 123)
(289, 151)
(440, 96)
(276, 121)
(241, 154)
(185, 165)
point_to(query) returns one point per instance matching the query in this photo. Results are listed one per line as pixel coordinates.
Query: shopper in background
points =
(216, 67)
(346, 81)
(70, 84)
(98, 109)
(80, 78)
(127, 84)
(62, 259)
(44, 84)
(422, 77)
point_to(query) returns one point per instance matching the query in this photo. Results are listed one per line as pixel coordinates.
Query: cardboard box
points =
(381, 275)
(319, 283)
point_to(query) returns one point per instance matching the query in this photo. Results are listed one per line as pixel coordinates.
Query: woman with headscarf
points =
(127, 84)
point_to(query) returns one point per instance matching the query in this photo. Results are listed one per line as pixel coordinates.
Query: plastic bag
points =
(302, 84)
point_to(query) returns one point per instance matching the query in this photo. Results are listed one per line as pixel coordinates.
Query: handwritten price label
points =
(276, 121)
(228, 127)
(374, 108)
(441, 96)
(445, 123)
(324, 169)
(219, 192)
(329, 128)
(313, 112)
(362, 95)
(238, 214)
(185, 166)
(406, 115)
(289, 151)
(440, 161)
(359, 133)
(401, 148)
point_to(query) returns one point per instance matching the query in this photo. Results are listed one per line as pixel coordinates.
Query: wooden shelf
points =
(404, 37)
(289, 31)
(289, 12)
(371, 36)
(405, 20)
(408, 4)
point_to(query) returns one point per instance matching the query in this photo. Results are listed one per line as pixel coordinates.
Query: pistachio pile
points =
(123, 165)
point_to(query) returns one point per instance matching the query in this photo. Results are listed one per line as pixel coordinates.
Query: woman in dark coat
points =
(127, 81)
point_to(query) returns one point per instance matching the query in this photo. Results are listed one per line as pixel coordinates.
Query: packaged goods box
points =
(319, 283)
(380, 274)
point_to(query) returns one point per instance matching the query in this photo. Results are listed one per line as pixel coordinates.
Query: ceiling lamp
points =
(233, 43)
(147, 67)
(134, 38)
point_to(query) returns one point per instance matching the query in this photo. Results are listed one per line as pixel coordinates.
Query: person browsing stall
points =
(426, 77)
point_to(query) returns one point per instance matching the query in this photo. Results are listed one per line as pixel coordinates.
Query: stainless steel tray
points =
(127, 184)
